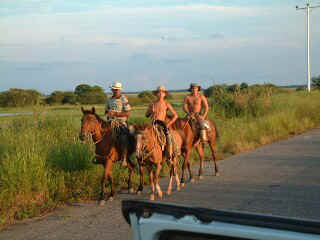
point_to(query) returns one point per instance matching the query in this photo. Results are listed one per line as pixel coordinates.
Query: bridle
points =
(94, 135)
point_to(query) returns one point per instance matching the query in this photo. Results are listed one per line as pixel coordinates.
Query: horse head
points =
(141, 134)
(91, 123)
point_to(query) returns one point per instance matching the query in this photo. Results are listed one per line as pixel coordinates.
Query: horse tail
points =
(217, 132)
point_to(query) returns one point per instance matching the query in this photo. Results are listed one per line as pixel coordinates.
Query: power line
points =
(307, 8)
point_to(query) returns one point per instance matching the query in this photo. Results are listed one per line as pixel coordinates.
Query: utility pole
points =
(308, 37)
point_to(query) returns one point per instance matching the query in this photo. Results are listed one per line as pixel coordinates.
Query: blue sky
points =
(53, 45)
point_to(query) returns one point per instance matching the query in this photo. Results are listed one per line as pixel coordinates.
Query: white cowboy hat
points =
(116, 85)
(161, 88)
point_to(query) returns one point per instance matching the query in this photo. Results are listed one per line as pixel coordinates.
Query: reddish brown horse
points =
(190, 140)
(106, 149)
(149, 154)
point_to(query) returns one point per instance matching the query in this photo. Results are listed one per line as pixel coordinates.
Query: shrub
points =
(19, 98)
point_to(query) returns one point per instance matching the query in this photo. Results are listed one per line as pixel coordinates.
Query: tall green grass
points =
(43, 164)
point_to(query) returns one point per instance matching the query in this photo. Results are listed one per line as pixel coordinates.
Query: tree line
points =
(86, 94)
(83, 94)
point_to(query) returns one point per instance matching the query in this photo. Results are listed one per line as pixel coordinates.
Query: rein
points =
(99, 140)
(184, 126)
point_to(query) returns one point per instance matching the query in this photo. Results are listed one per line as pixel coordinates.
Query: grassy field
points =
(43, 163)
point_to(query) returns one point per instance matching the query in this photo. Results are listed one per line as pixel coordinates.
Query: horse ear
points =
(93, 110)
(82, 109)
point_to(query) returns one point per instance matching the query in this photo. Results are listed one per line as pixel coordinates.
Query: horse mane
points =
(100, 120)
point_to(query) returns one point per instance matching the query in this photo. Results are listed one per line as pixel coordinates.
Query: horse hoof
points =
(200, 177)
(110, 199)
(102, 202)
(192, 180)
(217, 174)
(182, 184)
(152, 197)
(131, 190)
(178, 189)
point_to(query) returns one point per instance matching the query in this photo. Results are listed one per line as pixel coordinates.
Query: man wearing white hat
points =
(118, 108)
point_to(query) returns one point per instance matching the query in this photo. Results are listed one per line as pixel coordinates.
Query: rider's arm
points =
(185, 105)
(149, 111)
(205, 105)
(174, 113)
(125, 109)
(119, 114)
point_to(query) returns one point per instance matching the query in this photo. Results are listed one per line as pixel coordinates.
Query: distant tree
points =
(146, 96)
(16, 97)
(69, 98)
(97, 89)
(316, 82)
(90, 95)
(244, 86)
(92, 98)
(235, 88)
(55, 98)
(215, 90)
(81, 89)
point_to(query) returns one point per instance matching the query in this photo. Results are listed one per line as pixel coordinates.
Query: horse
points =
(191, 140)
(149, 154)
(107, 151)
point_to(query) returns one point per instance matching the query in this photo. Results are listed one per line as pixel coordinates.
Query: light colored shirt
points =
(118, 105)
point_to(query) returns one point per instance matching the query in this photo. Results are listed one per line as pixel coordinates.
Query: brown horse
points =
(149, 154)
(106, 149)
(190, 140)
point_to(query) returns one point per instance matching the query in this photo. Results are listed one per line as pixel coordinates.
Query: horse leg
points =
(131, 169)
(183, 170)
(140, 188)
(212, 144)
(170, 179)
(175, 172)
(156, 180)
(152, 183)
(201, 155)
(184, 165)
(103, 188)
(108, 171)
(189, 166)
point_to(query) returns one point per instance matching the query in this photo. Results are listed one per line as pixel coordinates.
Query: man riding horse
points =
(117, 111)
(157, 111)
(193, 106)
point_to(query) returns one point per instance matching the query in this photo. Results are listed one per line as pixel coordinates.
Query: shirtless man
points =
(118, 108)
(158, 111)
(193, 106)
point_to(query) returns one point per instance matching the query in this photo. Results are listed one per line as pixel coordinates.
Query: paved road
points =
(279, 179)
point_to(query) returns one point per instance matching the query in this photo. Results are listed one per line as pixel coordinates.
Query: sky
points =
(51, 45)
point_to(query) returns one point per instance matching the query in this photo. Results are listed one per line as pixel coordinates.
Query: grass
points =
(43, 164)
